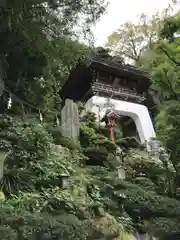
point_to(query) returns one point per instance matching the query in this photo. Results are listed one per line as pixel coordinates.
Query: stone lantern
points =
(153, 146)
(121, 173)
(3, 156)
(164, 155)
(64, 181)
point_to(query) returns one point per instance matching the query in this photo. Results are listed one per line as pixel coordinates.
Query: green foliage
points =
(90, 137)
(145, 207)
(86, 135)
(162, 226)
(128, 142)
(37, 55)
(171, 26)
(149, 202)
(93, 191)
(159, 56)
(58, 139)
(98, 149)
(31, 146)
(24, 225)
(146, 192)
(38, 49)
(31, 135)
(168, 119)
(89, 118)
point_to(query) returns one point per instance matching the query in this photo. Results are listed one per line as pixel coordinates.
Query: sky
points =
(120, 11)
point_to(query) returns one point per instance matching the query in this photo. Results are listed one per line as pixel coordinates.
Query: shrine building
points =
(113, 91)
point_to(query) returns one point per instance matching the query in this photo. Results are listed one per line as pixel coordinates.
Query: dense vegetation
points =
(39, 47)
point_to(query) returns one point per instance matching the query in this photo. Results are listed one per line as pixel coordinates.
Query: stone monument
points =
(70, 120)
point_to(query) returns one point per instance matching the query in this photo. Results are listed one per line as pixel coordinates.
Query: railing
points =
(122, 92)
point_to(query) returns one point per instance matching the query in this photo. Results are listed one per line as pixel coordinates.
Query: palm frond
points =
(16, 179)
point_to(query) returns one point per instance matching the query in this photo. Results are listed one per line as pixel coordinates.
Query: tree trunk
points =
(1, 75)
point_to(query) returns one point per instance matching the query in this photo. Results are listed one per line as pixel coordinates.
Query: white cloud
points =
(120, 11)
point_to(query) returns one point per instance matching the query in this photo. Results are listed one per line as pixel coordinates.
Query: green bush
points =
(29, 153)
(161, 226)
(148, 203)
(33, 139)
(68, 143)
(89, 118)
(86, 135)
(128, 142)
(58, 139)
(42, 209)
(16, 225)
(56, 133)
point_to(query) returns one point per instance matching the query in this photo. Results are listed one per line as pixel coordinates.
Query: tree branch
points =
(170, 86)
(170, 57)
(134, 49)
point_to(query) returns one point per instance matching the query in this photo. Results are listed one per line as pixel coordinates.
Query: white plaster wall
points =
(139, 113)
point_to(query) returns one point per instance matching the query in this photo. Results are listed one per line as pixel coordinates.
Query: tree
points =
(162, 64)
(32, 39)
(162, 61)
(131, 39)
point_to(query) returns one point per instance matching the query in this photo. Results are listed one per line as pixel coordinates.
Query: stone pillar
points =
(70, 120)
(3, 156)
(1, 76)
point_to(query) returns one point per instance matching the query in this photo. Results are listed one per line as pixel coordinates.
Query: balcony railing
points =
(121, 92)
